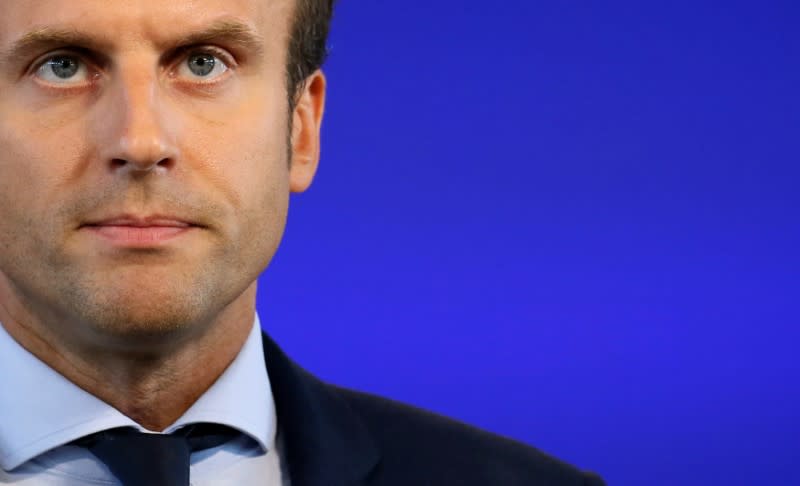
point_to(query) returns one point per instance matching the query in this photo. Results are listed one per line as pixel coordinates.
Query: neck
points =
(153, 385)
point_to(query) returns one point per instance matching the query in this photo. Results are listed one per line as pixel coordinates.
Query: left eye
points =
(63, 69)
(202, 65)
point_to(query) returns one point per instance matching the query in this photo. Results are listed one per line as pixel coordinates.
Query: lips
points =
(143, 222)
(139, 231)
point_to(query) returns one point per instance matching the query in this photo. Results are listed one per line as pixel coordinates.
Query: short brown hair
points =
(307, 42)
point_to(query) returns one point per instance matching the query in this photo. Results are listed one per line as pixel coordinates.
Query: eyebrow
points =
(43, 39)
(47, 38)
(232, 32)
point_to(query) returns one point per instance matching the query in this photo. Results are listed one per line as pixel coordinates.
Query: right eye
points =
(64, 69)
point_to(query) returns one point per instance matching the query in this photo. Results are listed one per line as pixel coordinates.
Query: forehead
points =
(154, 21)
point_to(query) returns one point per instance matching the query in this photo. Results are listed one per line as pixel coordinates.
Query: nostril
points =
(141, 166)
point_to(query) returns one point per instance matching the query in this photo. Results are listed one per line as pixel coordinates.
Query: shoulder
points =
(420, 447)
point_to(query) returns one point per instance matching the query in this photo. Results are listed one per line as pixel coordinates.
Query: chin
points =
(132, 317)
(130, 306)
(162, 322)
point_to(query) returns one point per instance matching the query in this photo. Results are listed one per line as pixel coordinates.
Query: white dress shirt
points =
(41, 412)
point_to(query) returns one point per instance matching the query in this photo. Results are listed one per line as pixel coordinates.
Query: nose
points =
(135, 129)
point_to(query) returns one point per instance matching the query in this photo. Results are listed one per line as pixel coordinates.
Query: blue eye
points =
(63, 69)
(202, 65)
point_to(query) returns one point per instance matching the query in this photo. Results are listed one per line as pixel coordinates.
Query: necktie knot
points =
(142, 459)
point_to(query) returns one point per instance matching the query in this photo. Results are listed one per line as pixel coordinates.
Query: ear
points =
(306, 124)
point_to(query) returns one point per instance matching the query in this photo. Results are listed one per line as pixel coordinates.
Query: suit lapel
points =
(326, 443)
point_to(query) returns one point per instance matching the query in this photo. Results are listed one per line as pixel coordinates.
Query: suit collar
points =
(326, 443)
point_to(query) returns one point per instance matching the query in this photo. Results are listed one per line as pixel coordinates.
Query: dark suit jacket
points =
(338, 437)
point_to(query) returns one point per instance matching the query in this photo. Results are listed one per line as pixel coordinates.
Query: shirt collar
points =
(41, 410)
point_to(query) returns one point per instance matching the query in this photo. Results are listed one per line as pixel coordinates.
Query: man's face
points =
(144, 177)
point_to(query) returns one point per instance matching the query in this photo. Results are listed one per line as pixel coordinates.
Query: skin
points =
(147, 328)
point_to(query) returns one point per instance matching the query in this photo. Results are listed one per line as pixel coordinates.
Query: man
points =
(147, 153)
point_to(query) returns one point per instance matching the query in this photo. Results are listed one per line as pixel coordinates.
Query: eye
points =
(202, 66)
(63, 69)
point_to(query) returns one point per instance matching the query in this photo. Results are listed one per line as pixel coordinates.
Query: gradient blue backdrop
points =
(573, 223)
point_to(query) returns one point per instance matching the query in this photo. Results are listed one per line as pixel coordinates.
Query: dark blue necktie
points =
(140, 459)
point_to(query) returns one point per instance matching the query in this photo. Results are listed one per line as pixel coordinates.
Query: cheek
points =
(39, 164)
(23, 174)
(250, 152)
(26, 185)
(262, 179)
(36, 159)
(247, 162)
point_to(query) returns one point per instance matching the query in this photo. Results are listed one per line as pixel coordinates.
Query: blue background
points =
(573, 223)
